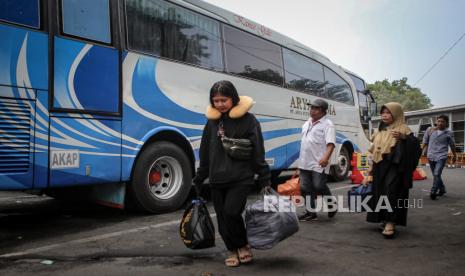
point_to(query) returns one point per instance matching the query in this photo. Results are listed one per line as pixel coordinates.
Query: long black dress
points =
(392, 177)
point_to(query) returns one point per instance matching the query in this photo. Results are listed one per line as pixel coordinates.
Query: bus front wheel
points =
(161, 178)
(340, 171)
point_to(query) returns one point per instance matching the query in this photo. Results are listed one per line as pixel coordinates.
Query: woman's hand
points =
(398, 135)
(367, 180)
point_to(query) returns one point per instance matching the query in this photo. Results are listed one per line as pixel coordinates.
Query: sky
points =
(377, 39)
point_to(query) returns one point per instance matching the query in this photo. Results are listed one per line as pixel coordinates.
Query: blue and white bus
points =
(111, 94)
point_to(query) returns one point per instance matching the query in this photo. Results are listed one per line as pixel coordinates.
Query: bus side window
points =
(89, 19)
(86, 70)
(303, 74)
(337, 88)
(166, 30)
(21, 12)
(252, 57)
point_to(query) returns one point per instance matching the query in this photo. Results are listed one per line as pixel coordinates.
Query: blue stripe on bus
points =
(279, 156)
(268, 120)
(37, 60)
(279, 133)
(292, 157)
(96, 77)
(149, 96)
(36, 57)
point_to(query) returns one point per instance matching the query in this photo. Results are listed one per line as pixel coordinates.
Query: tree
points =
(411, 98)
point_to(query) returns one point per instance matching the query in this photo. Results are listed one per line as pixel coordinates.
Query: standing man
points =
(317, 145)
(436, 144)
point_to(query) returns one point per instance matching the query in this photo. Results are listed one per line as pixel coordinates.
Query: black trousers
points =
(313, 183)
(229, 203)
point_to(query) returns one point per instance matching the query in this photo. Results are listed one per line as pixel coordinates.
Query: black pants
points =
(229, 203)
(313, 183)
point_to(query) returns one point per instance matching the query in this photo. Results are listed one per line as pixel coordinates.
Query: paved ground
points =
(42, 236)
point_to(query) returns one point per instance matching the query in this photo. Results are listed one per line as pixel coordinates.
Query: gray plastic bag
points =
(270, 220)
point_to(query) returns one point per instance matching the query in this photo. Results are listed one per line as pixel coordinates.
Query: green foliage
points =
(411, 98)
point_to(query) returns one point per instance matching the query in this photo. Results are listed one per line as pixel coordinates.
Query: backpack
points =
(428, 133)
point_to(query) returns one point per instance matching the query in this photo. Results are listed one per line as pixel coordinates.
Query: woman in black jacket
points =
(231, 179)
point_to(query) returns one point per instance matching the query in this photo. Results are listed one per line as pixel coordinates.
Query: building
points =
(420, 120)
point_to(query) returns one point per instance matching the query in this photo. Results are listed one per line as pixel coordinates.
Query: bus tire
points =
(162, 179)
(340, 171)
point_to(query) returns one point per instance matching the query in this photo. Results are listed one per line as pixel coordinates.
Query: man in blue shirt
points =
(436, 142)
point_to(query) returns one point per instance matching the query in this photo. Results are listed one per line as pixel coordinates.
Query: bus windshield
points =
(366, 102)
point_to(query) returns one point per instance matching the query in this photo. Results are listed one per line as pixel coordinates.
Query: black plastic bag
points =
(196, 229)
(268, 225)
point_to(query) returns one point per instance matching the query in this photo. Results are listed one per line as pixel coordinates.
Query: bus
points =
(111, 95)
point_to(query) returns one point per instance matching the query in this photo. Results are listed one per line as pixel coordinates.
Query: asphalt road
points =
(43, 236)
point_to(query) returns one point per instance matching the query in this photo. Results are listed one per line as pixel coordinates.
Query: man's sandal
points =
(232, 260)
(245, 254)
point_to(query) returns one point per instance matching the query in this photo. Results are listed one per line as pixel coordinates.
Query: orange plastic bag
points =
(291, 187)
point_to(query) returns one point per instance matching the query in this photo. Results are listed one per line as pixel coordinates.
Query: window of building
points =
(413, 121)
(303, 74)
(22, 12)
(425, 121)
(459, 138)
(456, 126)
(458, 116)
(89, 19)
(422, 129)
(337, 88)
(163, 29)
(252, 57)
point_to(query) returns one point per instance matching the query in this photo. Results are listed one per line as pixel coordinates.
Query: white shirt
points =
(315, 137)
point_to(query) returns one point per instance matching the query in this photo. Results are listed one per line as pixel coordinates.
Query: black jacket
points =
(216, 164)
(392, 177)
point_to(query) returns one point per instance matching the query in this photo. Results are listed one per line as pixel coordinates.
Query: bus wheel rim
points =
(342, 164)
(170, 177)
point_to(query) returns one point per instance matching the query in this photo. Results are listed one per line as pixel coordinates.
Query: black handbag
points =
(196, 228)
(236, 148)
(239, 149)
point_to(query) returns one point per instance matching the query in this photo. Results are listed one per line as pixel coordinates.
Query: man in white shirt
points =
(317, 145)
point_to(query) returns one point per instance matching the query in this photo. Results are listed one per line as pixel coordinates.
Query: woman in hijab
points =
(395, 153)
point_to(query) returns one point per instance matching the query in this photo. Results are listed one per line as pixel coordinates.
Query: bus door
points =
(23, 81)
(85, 119)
